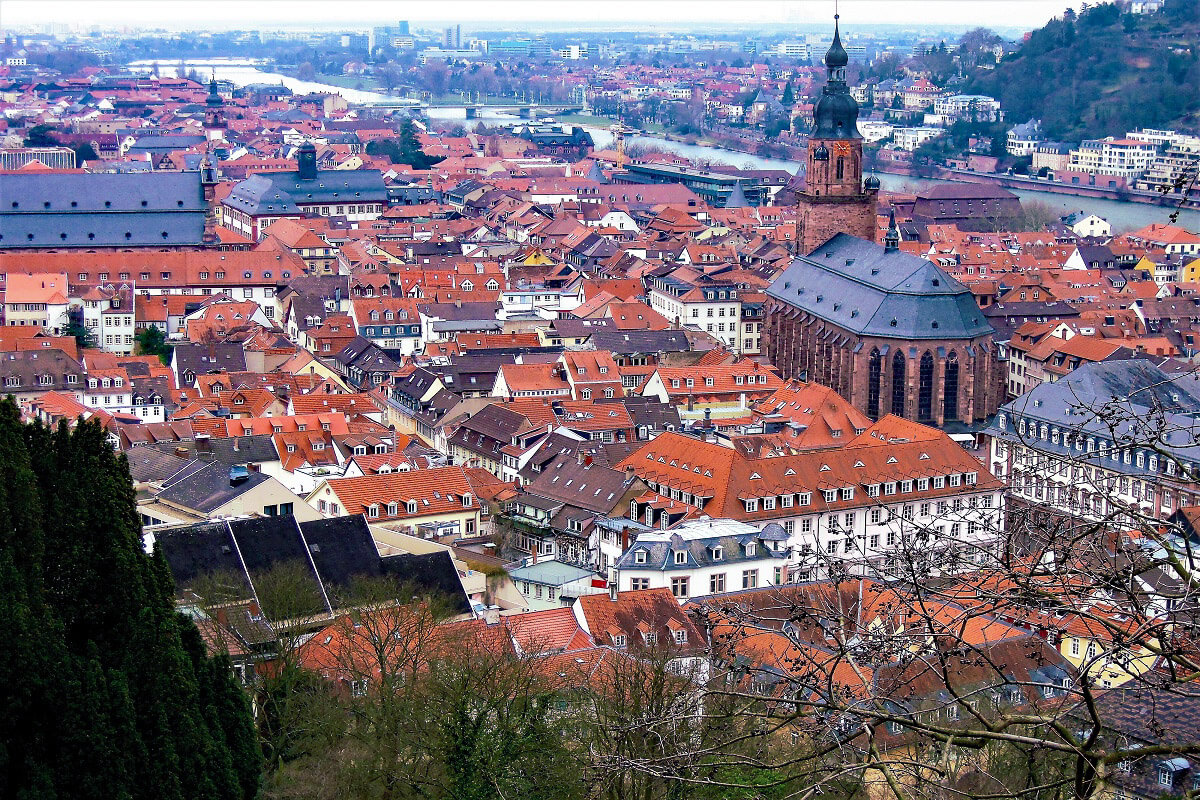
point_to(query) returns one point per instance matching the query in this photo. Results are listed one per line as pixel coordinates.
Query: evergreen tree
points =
(107, 690)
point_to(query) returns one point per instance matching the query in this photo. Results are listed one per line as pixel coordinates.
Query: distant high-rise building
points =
(402, 28)
(458, 37)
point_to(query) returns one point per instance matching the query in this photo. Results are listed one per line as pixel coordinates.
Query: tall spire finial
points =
(836, 57)
(891, 239)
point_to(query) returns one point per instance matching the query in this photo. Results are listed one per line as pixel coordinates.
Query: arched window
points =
(898, 384)
(841, 168)
(950, 388)
(925, 388)
(874, 370)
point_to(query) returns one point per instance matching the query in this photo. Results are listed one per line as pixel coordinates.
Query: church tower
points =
(214, 113)
(835, 199)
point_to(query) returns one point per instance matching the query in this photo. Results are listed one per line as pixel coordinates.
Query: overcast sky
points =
(188, 14)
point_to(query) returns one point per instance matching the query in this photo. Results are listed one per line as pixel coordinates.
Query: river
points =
(1122, 216)
(246, 71)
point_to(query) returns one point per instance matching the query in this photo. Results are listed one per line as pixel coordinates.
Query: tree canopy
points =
(106, 688)
(404, 149)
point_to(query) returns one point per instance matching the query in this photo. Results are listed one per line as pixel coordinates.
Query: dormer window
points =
(373, 510)
(717, 553)
(680, 636)
(639, 557)
(751, 548)
(618, 640)
(680, 556)
(412, 506)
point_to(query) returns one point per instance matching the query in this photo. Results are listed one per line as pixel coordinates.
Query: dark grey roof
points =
(460, 312)
(196, 551)
(154, 464)
(700, 552)
(432, 573)
(1111, 401)
(208, 487)
(165, 144)
(588, 486)
(228, 450)
(101, 209)
(41, 371)
(619, 341)
(283, 192)
(333, 552)
(201, 359)
(650, 412)
(859, 286)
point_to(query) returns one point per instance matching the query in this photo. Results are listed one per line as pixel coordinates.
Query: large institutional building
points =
(890, 332)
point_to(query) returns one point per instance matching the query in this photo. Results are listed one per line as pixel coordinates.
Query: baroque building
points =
(835, 199)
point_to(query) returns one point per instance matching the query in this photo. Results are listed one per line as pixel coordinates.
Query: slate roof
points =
(660, 549)
(1110, 400)
(101, 209)
(208, 487)
(272, 193)
(333, 552)
(634, 341)
(858, 285)
(200, 359)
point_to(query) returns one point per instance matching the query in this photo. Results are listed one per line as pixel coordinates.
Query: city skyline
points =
(186, 14)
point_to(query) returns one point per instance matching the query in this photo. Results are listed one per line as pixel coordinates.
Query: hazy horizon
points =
(192, 15)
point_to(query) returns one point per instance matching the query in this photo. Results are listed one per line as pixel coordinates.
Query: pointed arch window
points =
(925, 388)
(898, 384)
(950, 388)
(874, 372)
(841, 168)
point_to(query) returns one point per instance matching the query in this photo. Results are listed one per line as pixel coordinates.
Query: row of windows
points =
(386, 330)
(410, 506)
(1090, 444)
(738, 380)
(12, 381)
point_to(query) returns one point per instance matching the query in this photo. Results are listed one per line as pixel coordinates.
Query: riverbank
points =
(1051, 187)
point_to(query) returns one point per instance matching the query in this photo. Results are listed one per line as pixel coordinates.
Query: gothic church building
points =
(890, 332)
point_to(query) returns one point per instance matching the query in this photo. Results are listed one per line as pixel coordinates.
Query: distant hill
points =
(1102, 72)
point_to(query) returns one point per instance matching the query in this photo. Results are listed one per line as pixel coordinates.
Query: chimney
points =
(613, 576)
(492, 616)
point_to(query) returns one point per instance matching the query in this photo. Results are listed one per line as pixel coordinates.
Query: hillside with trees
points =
(1101, 72)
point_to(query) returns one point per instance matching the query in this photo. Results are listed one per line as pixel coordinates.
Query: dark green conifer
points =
(107, 689)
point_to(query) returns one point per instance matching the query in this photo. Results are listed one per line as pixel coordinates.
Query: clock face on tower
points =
(841, 148)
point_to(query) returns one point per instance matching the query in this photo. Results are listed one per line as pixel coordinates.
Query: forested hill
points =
(1101, 72)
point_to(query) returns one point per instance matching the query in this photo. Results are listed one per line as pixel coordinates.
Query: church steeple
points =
(836, 114)
(891, 239)
(214, 112)
(835, 199)
(837, 58)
